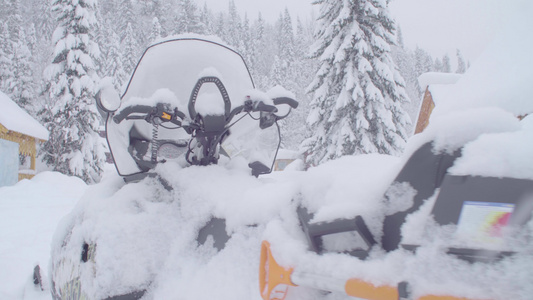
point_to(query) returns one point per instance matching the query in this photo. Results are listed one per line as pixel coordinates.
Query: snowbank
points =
(501, 76)
(29, 213)
(431, 78)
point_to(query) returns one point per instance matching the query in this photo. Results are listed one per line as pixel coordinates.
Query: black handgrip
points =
(285, 100)
(136, 118)
(261, 106)
(142, 109)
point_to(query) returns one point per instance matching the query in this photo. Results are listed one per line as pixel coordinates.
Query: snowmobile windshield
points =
(167, 73)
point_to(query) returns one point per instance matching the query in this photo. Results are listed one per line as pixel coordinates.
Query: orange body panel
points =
(361, 289)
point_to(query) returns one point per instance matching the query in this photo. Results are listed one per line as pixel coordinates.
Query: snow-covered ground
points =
(29, 214)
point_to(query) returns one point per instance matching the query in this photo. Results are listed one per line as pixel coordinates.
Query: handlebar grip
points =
(136, 118)
(123, 114)
(260, 106)
(286, 100)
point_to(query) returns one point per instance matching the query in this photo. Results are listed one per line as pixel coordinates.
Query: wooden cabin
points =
(284, 158)
(428, 103)
(17, 126)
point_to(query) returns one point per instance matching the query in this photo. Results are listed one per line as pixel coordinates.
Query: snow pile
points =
(432, 78)
(500, 77)
(506, 154)
(29, 213)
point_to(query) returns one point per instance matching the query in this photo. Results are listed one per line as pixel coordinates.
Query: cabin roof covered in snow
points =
(16, 119)
(431, 78)
(501, 77)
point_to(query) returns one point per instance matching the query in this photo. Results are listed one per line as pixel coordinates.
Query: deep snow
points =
(29, 213)
(149, 225)
(155, 228)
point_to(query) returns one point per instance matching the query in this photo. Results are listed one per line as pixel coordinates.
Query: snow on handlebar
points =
(150, 114)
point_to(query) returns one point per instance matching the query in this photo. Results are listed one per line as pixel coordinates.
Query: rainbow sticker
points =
(483, 223)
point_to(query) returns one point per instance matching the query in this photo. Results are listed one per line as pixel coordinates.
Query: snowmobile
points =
(438, 237)
(191, 101)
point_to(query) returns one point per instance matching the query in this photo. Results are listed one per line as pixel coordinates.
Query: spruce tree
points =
(206, 19)
(357, 92)
(187, 18)
(461, 64)
(75, 147)
(23, 87)
(130, 48)
(112, 59)
(6, 59)
(446, 65)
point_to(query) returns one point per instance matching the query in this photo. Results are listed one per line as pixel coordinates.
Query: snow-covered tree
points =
(74, 147)
(423, 61)
(233, 27)
(446, 65)
(130, 49)
(112, 59)
(6, 59)
(206, 18)
(23, 87)
(357, 92)
(14, 19)
(438, 65)
(188, 18)
(156, 30)
(461, 64)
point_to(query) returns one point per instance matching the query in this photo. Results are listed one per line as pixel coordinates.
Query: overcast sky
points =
(438, 26)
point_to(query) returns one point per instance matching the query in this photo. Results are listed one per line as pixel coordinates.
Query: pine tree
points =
(283, 62)
(233, 27)
(23, 87)
(6, 59)
(14, 19)
(156, 30)
(206, 19)
(446, 66)
(130, 49)
(188, 19)
(357, 92)
(461, 65)
(264, 55)
(75, 147)
(424, 61)
(112, 59)
(438, 66)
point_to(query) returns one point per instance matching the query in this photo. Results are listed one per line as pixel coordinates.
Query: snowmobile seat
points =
(424, 172)
(480, 208)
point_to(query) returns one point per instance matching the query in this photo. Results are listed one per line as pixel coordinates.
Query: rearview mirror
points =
(107, 98)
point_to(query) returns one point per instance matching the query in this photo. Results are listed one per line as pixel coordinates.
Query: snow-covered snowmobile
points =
(439, 235)
(190, 102)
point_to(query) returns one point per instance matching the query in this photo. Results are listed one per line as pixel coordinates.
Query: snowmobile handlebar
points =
(285, 100)
(163, 113)
(154, 115)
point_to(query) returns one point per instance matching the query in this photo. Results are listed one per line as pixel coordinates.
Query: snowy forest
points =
(53, 55)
